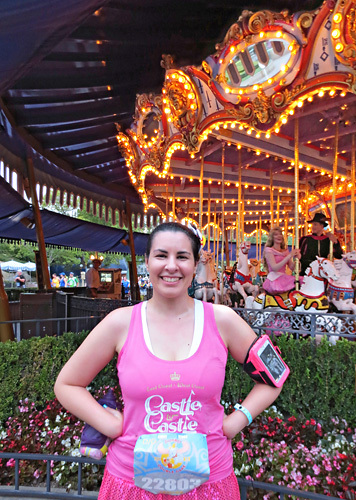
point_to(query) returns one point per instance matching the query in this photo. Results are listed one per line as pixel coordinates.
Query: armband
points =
(263, 363)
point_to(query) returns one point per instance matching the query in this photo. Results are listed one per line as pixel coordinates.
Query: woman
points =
(172, 353)
(276, 258)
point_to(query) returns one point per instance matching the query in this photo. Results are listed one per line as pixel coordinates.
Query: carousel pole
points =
(333, 200)
(215, 239)
(243, 217)
(306, 208)
(278, 209)
(201, 192)
(238, 226)
(352, 214)
(286, 228)
(174, 198)
(209, 208)
(257, 243)
(260, 231)
(222, 220)
(271, 196)
(345, 217)
(38, 226)
(296, 198)
(167, 199)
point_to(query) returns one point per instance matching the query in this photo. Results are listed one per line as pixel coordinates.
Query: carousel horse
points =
(204, 285)
(341, 293)
(241, 280)
(310, 298)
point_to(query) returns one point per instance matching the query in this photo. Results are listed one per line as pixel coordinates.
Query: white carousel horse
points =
(310, 298)
(205, 282)
(341, 293)
(242, 278)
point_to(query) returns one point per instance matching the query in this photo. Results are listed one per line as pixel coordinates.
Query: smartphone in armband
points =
(264, 364)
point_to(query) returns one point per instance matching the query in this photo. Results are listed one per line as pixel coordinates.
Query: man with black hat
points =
(317, 243)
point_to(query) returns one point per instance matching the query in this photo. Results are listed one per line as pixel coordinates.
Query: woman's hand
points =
(115, 427)
(233, 424)
(295, 253)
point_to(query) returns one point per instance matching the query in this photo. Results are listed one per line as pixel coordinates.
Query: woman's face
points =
(278, 237)
(171, 263)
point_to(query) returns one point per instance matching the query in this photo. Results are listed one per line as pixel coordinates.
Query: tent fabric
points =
(60, 230)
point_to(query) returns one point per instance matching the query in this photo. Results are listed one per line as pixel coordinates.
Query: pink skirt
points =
(114, 488)
(282, 284)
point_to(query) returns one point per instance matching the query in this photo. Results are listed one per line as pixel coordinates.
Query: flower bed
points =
(301, 454)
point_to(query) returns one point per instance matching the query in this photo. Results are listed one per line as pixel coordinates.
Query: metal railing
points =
(330, 324)
(16, 491)
(56, 326)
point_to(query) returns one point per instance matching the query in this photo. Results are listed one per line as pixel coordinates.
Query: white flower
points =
(58, 418)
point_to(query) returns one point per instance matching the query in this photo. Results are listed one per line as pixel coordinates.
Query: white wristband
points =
(245, 411)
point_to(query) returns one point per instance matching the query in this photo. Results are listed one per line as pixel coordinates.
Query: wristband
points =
(245, 411)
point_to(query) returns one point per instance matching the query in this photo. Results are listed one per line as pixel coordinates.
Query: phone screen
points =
(270, 359)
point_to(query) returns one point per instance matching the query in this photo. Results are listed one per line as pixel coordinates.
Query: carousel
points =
(261, 134)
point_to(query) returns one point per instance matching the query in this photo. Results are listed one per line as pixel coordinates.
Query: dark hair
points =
(176, 227)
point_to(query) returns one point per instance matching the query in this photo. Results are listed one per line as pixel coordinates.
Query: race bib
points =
(171, 463)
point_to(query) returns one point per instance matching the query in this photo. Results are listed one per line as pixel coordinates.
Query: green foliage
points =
(321, 384)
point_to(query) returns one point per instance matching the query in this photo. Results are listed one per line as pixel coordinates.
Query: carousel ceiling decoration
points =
(236, 113)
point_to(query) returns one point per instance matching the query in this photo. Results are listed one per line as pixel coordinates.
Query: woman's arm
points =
(92, 356)
(272, 264)
(238, 337)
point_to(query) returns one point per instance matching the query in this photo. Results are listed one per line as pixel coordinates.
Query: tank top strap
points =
(135, 333)
(211, 326)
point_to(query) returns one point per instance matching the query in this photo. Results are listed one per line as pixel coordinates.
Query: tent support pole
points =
(133, 278)
(39, 227)
(6, 329)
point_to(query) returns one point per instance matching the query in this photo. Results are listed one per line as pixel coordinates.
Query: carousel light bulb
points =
(278, 34)
(337, 18)
(332, 92)
(232, 49)
(335, 33)
(321, 93)
(262, 34)
(339, 47)
(268, 135)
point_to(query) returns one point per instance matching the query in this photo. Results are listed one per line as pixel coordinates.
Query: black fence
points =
(21, 492)
(306, 324)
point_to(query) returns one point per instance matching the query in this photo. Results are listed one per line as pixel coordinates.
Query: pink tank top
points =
(172, 396)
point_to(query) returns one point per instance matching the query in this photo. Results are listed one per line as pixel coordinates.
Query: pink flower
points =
(239, 445)
(10, 463)
(316, 469)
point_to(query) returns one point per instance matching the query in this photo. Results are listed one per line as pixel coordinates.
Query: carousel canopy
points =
(17, 223)
(70, 72)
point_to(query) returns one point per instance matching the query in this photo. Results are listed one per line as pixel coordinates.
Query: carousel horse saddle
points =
(197, 286)
(292, 299)
(340, 293)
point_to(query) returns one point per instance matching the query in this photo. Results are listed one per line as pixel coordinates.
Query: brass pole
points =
(271, 196)
(238, 227)
(201, 192)
(278, 209)
(352, 219)
(209, 208)
(257, 243)
(345, 216)
(134, 278)
(174, 198)
(167, 199)
(296, 198)
(260, 238)
(333, 200)
(222, 220)
(227, 253)
(243, 217)
(215, 248)
(38, 225)
(306, 208)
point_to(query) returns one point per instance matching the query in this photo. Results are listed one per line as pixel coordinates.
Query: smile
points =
(170, 280)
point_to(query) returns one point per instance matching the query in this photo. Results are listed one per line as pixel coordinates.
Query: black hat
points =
(319, 217)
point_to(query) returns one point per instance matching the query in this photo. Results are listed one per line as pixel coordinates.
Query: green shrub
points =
(321, 384)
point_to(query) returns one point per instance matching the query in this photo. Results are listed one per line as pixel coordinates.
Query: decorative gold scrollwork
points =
(284, 98)
(262, 107)
(182, 98)
(167, 62)
(206, 67)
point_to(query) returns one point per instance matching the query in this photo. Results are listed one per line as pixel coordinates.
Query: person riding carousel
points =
(317, 244)
(276, 258)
